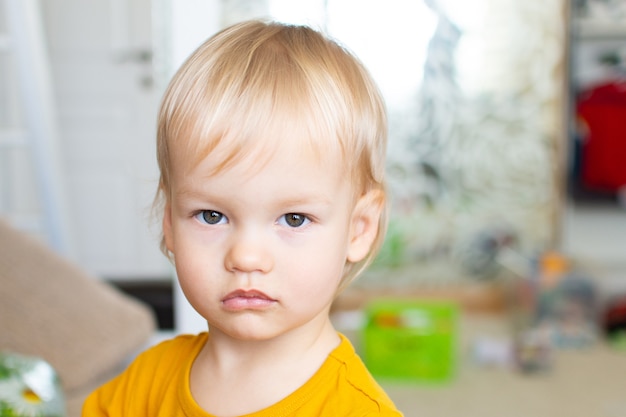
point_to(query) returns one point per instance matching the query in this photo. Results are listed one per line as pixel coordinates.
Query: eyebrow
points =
(305, 200)
(297, 200)
(189, 192)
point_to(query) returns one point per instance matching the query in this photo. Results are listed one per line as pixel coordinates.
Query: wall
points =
(105, 101)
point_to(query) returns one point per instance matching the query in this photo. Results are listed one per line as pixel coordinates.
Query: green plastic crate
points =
(411, 339)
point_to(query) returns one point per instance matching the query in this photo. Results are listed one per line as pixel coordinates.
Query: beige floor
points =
(581, 383)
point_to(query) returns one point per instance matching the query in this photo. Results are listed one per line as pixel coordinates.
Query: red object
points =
(603, 111)
(615, 315)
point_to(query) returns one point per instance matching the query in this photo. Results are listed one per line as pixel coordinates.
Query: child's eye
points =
(294, 220)
(211, 217)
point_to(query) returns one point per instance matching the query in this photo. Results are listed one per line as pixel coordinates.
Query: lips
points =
(247, 300)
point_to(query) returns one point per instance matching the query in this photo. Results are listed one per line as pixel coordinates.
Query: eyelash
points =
(217, 218)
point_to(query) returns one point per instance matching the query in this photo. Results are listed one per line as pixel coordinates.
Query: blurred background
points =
(506, 167)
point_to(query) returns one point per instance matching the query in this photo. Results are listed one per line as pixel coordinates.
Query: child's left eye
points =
(294, 220)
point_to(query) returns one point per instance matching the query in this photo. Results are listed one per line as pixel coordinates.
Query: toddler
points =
(271, 148)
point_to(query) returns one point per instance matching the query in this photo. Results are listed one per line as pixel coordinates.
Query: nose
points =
(248, 254)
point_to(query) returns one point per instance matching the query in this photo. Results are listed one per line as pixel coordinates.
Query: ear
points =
(365, 224)
(168, 238)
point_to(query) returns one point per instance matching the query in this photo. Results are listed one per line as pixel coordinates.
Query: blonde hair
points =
(257, 83)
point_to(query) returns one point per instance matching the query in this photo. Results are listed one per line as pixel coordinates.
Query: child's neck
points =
(261, 372)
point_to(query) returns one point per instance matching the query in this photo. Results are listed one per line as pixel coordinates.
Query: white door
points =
(107, 102)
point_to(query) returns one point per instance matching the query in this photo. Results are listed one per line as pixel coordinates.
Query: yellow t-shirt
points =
(157, 384)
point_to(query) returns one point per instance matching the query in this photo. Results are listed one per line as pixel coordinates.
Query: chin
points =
(252, 335)
(247, 330)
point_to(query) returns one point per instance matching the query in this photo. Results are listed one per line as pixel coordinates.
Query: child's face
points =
(261, 252)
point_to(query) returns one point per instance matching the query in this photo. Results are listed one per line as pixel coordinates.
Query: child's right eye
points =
(211, 217)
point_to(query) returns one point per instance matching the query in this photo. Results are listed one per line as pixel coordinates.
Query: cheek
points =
(187, 278)
(194, 269)
(319, 272)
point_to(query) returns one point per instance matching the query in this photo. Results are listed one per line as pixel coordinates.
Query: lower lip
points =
(247, 303)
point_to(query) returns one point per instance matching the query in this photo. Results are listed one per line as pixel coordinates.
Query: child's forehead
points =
(250, 155)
